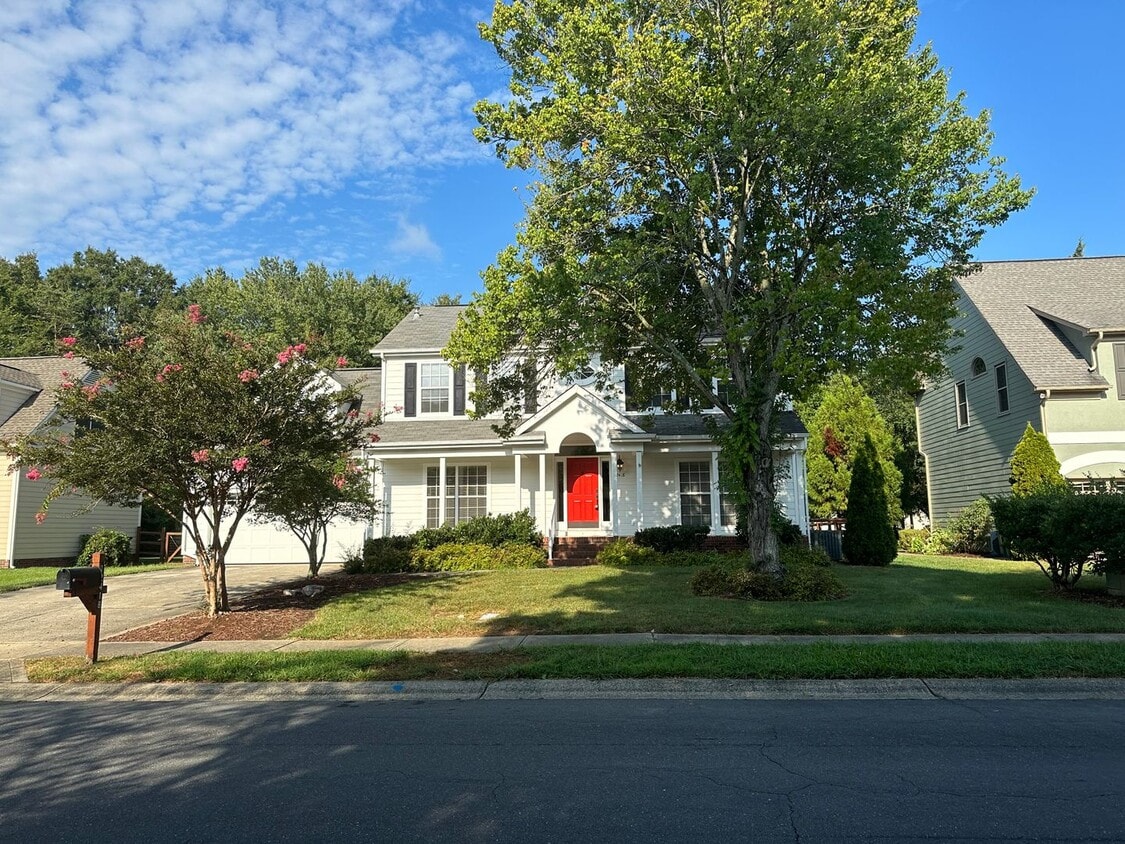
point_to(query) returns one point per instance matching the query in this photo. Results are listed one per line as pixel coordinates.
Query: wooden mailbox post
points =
(87, 584)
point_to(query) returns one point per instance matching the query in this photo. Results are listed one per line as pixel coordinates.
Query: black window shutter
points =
(459, 391)
(410, 391)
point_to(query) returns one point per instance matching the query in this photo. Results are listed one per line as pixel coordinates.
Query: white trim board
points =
(1085, 437)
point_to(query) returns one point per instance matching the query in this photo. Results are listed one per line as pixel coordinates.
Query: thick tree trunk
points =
(758, 481)
(212, 566)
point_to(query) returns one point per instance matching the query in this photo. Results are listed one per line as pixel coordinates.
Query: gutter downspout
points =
(12, 520)
(1044, 397)
(1093, 367)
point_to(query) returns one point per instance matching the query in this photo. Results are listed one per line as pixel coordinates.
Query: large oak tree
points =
(754, 192)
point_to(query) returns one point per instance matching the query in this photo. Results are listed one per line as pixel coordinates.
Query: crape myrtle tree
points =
(308, 499)
(197, 421)
(734, 192)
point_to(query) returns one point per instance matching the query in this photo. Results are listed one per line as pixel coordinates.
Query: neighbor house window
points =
(978, 367)
(962, 405)
(695, 492)
(1002, 387)
(466, 494)
(434, 384)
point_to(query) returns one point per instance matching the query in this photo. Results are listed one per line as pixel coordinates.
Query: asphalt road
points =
(227, 770)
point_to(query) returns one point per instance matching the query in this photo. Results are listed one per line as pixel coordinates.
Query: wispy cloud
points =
(151, 126)
(413, 239)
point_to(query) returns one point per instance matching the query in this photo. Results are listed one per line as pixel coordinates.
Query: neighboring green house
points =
(1041, 342)
(27, 402)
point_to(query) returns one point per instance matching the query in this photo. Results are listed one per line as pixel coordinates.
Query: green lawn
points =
(766, 662)
(12, 579)
(917, 594)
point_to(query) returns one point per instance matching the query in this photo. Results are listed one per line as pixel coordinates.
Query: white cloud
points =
(413, 239)
(153, 125)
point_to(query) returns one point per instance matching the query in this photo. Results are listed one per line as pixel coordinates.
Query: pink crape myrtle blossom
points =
(239, 464)
(195, 315)
(290, 352)
(247, 375)
(339, 481)
(33, 474)
(68, 355)
(284, 357)
(135, 343)
(341, 361)
(40, 517)
(201, 456)
(69, 341)
(373, 437)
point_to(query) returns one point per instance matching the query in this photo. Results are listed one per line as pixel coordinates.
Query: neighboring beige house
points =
(588, 466)
(27, 401)
(1042, 342)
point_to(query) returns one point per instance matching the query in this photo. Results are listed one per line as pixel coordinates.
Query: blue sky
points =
(200, 133)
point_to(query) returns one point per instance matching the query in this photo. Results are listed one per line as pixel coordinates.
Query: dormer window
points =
(432, 389)
(978, 367)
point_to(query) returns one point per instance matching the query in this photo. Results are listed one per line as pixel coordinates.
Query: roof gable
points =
(1024, 302)
(49, 373)
(425, 328)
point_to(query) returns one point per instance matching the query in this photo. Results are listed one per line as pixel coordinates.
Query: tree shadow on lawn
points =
(898, 599)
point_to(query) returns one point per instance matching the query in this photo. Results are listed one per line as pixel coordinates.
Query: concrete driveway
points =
(40, 621)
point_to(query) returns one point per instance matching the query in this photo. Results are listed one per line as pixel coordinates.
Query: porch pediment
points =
(578, 411)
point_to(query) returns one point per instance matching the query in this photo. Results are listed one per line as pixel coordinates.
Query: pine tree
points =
(1034, 465)
(870, 536)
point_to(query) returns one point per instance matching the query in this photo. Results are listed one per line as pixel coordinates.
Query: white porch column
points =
(640, 484)
(548, 529)
(716, 516)
(614, 493)
(441, 491)
(518, 464)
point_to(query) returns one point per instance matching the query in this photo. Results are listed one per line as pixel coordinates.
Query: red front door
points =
(582, 475)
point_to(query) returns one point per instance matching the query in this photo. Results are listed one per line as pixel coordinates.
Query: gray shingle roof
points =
(407, 432)
(47, 375)
(427, 327)
(370, 380)
(1018, 298)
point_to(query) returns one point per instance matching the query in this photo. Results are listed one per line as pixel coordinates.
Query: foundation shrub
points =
(805, 579)
(913, 540)
(625, 552)
(972, 528)
(483, 530)
(457, 556)
(673, 537)
(115, 548)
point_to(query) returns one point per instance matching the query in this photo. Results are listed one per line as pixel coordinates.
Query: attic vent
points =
(415, 314)
(978, 367)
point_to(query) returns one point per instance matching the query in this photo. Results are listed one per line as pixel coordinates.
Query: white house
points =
(588, 466)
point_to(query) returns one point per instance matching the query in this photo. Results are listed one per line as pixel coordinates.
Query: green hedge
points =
(115, 548)
(673, 537)
(808, 577)
(623, 553)
(483, 530)
(396, 554)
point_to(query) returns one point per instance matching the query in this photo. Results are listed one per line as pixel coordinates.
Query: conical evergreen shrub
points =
(869, 539)
(1034, 465)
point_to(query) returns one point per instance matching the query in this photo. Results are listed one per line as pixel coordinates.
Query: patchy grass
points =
(13, 579)
(763, 662)
(917, 594)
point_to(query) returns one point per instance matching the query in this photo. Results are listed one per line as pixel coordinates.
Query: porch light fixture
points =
(620, 467)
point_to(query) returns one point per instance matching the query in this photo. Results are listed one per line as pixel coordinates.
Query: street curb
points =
(447, 690)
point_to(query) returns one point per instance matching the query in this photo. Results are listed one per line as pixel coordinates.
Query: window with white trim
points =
(962, 405)
(695, 492)
(1002, 387)
(466, 494)
(433, 383)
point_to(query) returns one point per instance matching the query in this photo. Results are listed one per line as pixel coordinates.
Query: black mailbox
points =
(79, 579)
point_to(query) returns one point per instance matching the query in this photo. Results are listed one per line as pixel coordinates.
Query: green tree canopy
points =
(1034, 465)
(98, 297)
(279, 303)
(196, 421)
(839, 421)
(731, 191)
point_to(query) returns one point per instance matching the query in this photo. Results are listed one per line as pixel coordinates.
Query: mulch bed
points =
(267, 614)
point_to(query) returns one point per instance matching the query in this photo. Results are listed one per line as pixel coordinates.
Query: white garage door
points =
(261, 544)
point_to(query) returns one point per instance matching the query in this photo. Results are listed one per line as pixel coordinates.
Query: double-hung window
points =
(1002, 387)
(695, 492)
(434, 384)
(962, 405)
(465, 494)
